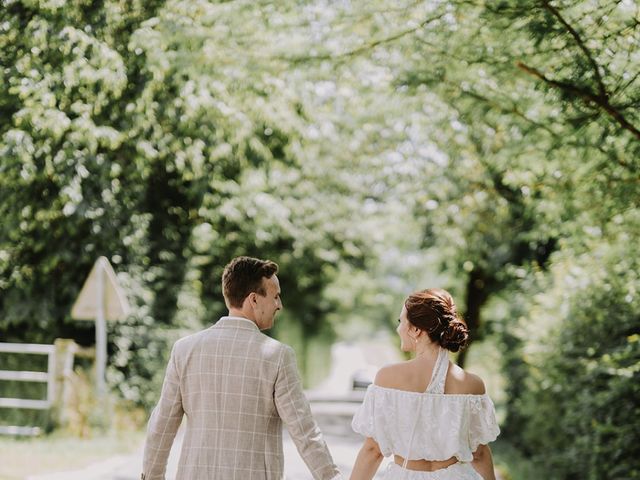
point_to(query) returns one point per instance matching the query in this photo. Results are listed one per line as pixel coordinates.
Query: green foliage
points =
(576, 406)
(113, 143)
(511, 464)
(523, 119)
(369, 148)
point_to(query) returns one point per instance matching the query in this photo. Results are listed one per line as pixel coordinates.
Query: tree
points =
(111, 144)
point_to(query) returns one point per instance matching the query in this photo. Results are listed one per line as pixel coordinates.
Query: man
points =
(236, 387)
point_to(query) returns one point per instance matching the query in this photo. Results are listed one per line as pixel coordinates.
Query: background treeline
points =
(367, 147)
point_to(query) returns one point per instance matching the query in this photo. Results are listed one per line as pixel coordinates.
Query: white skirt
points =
(457, 471)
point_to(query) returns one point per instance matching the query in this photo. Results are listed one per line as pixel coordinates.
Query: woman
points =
(435, 418)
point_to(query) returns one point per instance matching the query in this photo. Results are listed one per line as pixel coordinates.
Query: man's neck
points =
(237, 312)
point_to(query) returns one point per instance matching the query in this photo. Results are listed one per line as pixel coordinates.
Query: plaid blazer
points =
(236, 387)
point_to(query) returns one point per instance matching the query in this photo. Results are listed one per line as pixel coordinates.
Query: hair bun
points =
(455, 336)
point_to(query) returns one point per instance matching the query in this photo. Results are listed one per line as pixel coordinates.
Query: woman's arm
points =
(368, 461)
(483, 462)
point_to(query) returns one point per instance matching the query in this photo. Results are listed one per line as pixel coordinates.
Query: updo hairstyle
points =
(433, 311)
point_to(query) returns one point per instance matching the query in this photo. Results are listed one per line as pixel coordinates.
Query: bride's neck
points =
(427, 350)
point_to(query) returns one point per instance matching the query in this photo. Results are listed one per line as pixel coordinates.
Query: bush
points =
(583, 409)
(578, 413)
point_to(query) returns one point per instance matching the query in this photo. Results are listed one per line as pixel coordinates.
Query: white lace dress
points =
(429, 426)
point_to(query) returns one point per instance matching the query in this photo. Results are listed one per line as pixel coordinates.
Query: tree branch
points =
(602, 102)
(367, 47)
(554, 11)
(509, 110)
(623, 86)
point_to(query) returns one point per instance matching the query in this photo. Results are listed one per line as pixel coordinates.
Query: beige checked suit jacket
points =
(236, 386)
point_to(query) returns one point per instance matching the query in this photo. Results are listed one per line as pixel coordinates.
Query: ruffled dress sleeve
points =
(483, 426)
(363, 420)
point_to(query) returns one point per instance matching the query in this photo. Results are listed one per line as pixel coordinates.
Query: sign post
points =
(101, 299)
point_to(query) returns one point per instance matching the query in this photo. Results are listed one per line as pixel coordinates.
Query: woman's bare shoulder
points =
(391, 376)
(460, 381)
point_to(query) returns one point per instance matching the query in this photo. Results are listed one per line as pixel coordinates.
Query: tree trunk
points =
(476, 296)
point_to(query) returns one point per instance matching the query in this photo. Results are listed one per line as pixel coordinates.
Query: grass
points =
(20, 457)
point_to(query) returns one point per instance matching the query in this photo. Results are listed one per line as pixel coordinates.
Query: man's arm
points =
(294, 410)
(163, 425)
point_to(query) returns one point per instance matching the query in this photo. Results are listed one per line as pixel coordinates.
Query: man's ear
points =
(249, 300)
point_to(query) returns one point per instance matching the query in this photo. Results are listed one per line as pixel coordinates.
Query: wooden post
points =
(65, 353)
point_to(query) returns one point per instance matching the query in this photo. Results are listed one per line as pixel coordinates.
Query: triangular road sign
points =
(116, 306)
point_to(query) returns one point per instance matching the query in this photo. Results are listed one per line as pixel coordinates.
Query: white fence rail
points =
(47, 377)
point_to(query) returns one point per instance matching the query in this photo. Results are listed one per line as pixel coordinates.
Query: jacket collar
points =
(240, 323)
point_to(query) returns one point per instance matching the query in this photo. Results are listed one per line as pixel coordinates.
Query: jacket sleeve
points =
(163, 424)
(294, 411)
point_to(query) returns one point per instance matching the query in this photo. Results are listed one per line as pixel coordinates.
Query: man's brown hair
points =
(244, 275)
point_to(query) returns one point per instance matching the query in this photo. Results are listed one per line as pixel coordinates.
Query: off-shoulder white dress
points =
(430, 426)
